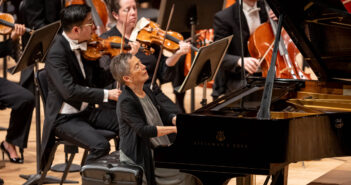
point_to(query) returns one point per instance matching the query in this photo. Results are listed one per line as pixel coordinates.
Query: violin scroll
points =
(153, 34)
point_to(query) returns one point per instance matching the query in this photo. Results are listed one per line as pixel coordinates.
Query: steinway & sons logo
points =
(339, 123)
(220, 136)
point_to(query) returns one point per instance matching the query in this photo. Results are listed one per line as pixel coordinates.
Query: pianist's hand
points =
(174, 120)
(251, 64)
(113, 94)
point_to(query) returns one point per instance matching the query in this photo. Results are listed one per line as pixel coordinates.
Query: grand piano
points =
(308, 119)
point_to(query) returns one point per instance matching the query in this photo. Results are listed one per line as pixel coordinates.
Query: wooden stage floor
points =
(299, 173)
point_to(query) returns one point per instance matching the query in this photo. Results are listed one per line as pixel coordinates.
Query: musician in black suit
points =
(226, 22)
(20, 100)
(75, 87)
(36, 14)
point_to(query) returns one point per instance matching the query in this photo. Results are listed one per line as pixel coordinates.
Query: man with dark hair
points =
(75, 87)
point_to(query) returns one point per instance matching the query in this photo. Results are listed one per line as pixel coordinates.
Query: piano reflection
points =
(307, 119)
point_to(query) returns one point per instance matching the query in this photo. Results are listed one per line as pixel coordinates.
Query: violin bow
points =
(124, 32)
(122, 43)
(159, 55)
(264, 56)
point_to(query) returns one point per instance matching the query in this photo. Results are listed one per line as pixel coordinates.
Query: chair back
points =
(2, 106)
(43, 84)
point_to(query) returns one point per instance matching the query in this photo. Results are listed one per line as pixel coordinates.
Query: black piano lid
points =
(321, 30)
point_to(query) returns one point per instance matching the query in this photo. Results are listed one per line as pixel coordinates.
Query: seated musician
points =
(142, 120)
(126, 14)
(226, 22)
(20, 100)
(75, 87)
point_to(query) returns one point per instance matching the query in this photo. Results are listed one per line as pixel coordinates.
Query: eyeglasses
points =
(89, 24)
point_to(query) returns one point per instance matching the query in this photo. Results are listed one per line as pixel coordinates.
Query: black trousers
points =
(21, 101)
(80, 129)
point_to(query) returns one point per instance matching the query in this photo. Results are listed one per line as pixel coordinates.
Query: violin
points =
(112, 46)
(7, 23)
(153, 34)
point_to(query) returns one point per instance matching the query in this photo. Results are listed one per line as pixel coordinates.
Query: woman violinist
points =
(20, 100)
(125, 13)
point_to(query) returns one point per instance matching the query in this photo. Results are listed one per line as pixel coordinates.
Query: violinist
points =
(125, 13)
(75, 86)
(21, 102)
(226, 22)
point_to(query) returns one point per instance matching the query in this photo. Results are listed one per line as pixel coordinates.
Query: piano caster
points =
(246, 180)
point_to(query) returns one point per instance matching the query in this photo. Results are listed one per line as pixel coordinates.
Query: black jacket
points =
(36, 14)
(67, 84)
(134, 131)
(226, 23)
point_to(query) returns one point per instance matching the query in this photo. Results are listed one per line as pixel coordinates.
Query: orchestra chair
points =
(2, 107)
(43, 87)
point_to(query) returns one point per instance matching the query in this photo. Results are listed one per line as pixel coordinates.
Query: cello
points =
(99, 12)
(286, 66)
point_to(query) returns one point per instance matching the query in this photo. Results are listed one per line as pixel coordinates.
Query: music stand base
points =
(61, 168)
(34, 179)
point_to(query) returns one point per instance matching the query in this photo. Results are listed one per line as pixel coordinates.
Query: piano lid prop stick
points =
(263, 112)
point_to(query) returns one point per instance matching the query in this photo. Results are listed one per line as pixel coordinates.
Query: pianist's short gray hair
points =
(119, 66)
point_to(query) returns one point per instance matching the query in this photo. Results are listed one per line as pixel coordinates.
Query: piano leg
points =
(210, 179)
(246, 180)
(280, 177)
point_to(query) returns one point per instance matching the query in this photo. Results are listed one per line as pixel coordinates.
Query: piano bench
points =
(108, 170)
(340, 175)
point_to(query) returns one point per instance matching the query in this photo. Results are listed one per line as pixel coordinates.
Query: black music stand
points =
(35, 52)
(205, 65)
(189, 15)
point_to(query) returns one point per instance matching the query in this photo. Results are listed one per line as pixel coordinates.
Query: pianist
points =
(141, 119)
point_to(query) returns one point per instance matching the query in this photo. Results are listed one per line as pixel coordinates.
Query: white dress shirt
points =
(252, 16)
(75, 46)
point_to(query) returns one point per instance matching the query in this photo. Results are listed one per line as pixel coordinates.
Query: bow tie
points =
(253, 10)
(82, 46)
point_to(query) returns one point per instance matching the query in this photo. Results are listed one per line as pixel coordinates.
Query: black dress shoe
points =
(13, 160)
